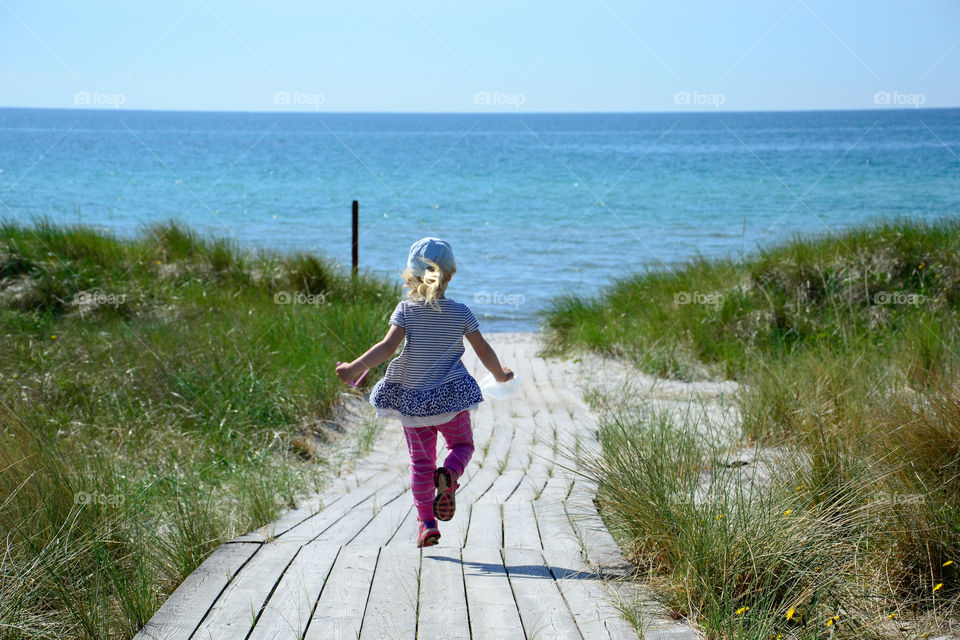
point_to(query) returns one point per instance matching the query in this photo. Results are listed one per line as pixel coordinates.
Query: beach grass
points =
(845, 521)
(893, 286)
(160, 395)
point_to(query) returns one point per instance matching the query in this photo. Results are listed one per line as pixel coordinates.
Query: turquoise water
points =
(533, 204)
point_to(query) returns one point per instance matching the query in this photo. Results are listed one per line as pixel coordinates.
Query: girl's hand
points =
(506, 375)
(346, 372)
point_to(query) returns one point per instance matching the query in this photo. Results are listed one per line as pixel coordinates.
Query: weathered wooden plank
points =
(584, 489)
(537, 471)
(579, 503)
(392, 607)
(486, 526)
(555, 490)
(498, 450)
(346, 528)
(443, 602)
(406, 533)
(287, 520)
(520, 526)
(555, 528)
(177, 618)
(555, 400)
(384, 524)
(339, 611)
(289, 609)
(600, 546)
(479, 484)
(503, 431)
(493, 610)
(561, 400)
(333, 518)
(234, 612)
(542, 609)
(568, 432)
(542, 451)
(521, 413)
(501, 489)
(354, 475)
(453, 533)
(586, 597)
(526, 490)
(314, 525)
(483, 439)
(534, 458)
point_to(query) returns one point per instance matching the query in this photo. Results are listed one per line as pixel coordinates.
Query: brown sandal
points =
(445, 504)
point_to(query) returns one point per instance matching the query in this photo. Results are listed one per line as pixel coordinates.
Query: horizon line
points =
(480, 113)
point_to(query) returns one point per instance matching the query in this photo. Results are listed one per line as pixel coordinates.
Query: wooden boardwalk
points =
(522, 558)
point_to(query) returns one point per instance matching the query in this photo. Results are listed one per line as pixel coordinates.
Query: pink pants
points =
(422, 443)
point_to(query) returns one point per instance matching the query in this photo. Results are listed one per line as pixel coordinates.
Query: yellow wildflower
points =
(921, 265)
(790, 612)
(948, 563)
(939, 584)
(718, 516)
(832, 620)
(890, 615)
(742, 609)
(788, 512)
(53, 337)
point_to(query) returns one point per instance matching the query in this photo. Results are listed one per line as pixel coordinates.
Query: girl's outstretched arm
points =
(488, 357)
(373, 356)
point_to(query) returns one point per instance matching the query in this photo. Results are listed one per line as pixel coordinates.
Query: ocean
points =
(534, 205)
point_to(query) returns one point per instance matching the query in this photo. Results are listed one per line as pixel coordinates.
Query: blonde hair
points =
(430, 285)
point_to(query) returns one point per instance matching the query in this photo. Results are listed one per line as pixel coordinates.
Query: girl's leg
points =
(458, 435)
(422, 444)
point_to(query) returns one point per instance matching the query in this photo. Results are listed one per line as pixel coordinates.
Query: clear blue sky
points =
(410, 55)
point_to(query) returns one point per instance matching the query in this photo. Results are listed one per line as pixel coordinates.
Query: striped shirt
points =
(427, 384)
(434, 342)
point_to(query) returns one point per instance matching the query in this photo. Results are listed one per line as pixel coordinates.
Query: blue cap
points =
(433, 249)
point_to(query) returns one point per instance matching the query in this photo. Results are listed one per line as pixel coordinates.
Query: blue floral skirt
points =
(392, 398)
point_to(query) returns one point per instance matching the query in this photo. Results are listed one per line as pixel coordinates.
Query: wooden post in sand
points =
(356, 240)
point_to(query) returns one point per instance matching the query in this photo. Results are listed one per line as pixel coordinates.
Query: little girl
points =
(427, 386)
